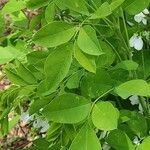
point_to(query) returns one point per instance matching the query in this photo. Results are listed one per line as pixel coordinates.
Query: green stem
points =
(125, 26)
(133, 74)
(93, 104)
(96, 24)
(94, 4)
(143, 104)
(118, 101)
(143, 64)
(127, 35)
(100, 98)
(116, 52)
(90, 6)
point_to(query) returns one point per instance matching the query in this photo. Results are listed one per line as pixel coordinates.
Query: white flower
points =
(130, 23)
(134, 100)
(146, 11)
(140, 109)
(103, 134)
(42, 124)
(106, 146)
(45, 127)
(141, 17)
(25, 117)
(136, 42)
(136, 141)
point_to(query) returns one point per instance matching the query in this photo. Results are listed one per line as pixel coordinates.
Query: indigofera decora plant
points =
(82, 70)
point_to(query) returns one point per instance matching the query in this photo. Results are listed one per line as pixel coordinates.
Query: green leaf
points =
(105, 116)
(13, 122)
(4, 125)
(14, 78)
(54, 34)
(135, 6)
(142, 58)
(107, 58)
(119, 140)
(133, 87)
(95, 85)
(127, 65)
(41, 143)
(67, 108)
(75, 5)
(136, 122)
(71, 131)
(97, 3)
(88, 42)
(106, 9)
(85, 60)
(50, 12)
(26, 90)
(86, 139)
(2, 24)
(56, 68)
(145, 144)
(25, 74)
(74, 80)
(39, 103)
(115, 4)
(53, 131)
(35, 22)
(34, 4)
(13, 6)
(103, 11)
(9, 53)
(36, 56)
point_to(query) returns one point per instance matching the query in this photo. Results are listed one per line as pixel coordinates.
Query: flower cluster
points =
(136, 40)
(135, 101)
(38, 123)
(141, 17)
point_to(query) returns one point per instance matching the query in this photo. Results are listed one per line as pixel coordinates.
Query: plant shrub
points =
(81, 68)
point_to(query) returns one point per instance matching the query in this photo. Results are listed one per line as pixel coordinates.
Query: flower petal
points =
(144, 21)
(25, 117)
(138, 18)
(132, 39)
(138, 43)
(134, 100)
(146, 11)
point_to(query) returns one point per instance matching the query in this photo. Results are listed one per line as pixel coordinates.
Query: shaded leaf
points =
(103, 11)
(119, 140)
(85, 60)
(34, 4)
(67, 108)
(86, 139)
(75, 5)
(127, 65)
(56, 68)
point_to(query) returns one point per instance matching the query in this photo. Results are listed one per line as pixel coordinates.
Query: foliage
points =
(81, 65)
